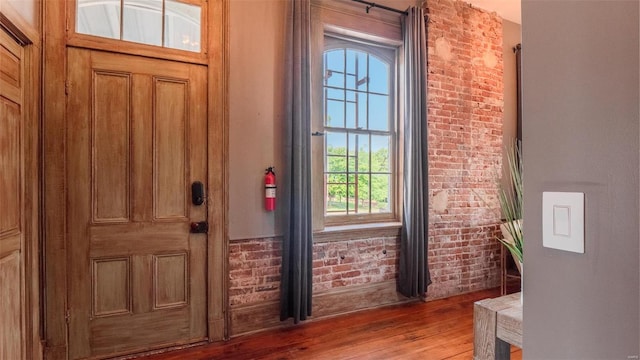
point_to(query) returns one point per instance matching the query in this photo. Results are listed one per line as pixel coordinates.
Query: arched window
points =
(359, 120)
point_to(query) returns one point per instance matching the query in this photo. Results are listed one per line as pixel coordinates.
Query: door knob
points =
(200, 227)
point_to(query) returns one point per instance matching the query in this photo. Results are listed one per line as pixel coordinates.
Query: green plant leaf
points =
(510, 197)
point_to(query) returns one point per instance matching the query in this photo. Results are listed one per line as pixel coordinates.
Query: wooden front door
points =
(12, 200)
(136, 141)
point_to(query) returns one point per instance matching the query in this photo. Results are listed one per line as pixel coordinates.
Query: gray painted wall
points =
(581, 133)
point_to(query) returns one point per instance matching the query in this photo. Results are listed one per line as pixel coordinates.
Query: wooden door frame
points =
(54, 172)
(218, 135)
(29, 38)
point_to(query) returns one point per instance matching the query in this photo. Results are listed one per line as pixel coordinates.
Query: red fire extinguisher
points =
(269, 189)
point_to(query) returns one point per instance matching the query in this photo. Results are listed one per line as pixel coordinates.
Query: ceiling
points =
(506, 9)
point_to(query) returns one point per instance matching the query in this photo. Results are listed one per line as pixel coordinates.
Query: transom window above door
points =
(166, 23)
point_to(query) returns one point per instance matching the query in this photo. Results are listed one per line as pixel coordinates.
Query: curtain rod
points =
(374, 5)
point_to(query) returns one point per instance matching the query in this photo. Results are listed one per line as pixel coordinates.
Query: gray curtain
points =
(297, 246)
(414, 277)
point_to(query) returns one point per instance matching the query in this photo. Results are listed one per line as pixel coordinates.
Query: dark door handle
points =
(197, 193)
(200, 227)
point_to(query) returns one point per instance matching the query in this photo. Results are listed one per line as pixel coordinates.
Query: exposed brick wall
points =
(354, 262)
(254, 266)
(254, 270)
(465, 105)
(465, 145)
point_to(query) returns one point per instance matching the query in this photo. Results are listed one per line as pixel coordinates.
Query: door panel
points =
(111, 150)
(136, 141)
(10, 311)
(12, 256)
(170, 153)
(10, 181)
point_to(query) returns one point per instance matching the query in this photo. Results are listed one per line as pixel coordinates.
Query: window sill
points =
(357, 232)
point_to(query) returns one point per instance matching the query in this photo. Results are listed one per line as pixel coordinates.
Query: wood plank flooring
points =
(441, 329)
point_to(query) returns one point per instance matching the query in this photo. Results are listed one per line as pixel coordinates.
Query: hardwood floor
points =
(441, 329)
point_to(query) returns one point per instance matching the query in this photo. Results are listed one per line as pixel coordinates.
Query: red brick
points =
(350, 274)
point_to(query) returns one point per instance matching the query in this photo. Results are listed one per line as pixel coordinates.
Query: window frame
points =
(348, 21)
(388, 55)
(133, 48)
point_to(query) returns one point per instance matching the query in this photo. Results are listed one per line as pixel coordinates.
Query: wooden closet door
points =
(12, 197)
(136, 141)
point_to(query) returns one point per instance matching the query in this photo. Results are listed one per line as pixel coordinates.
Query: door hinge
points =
(66, 87)
(67, 316)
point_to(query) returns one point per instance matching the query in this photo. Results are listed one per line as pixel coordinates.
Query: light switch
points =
(563, 221)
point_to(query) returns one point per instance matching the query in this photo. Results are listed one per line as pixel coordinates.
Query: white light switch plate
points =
(563, 221)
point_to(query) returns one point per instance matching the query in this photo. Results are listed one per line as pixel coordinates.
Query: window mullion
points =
(121, 18)
(344, 88)
(370, 172)
(356, 164)
(366, 87)
(347, 170)
(164, 25)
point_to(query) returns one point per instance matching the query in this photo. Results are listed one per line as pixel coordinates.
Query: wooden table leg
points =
(486, 346)
(503, 350)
